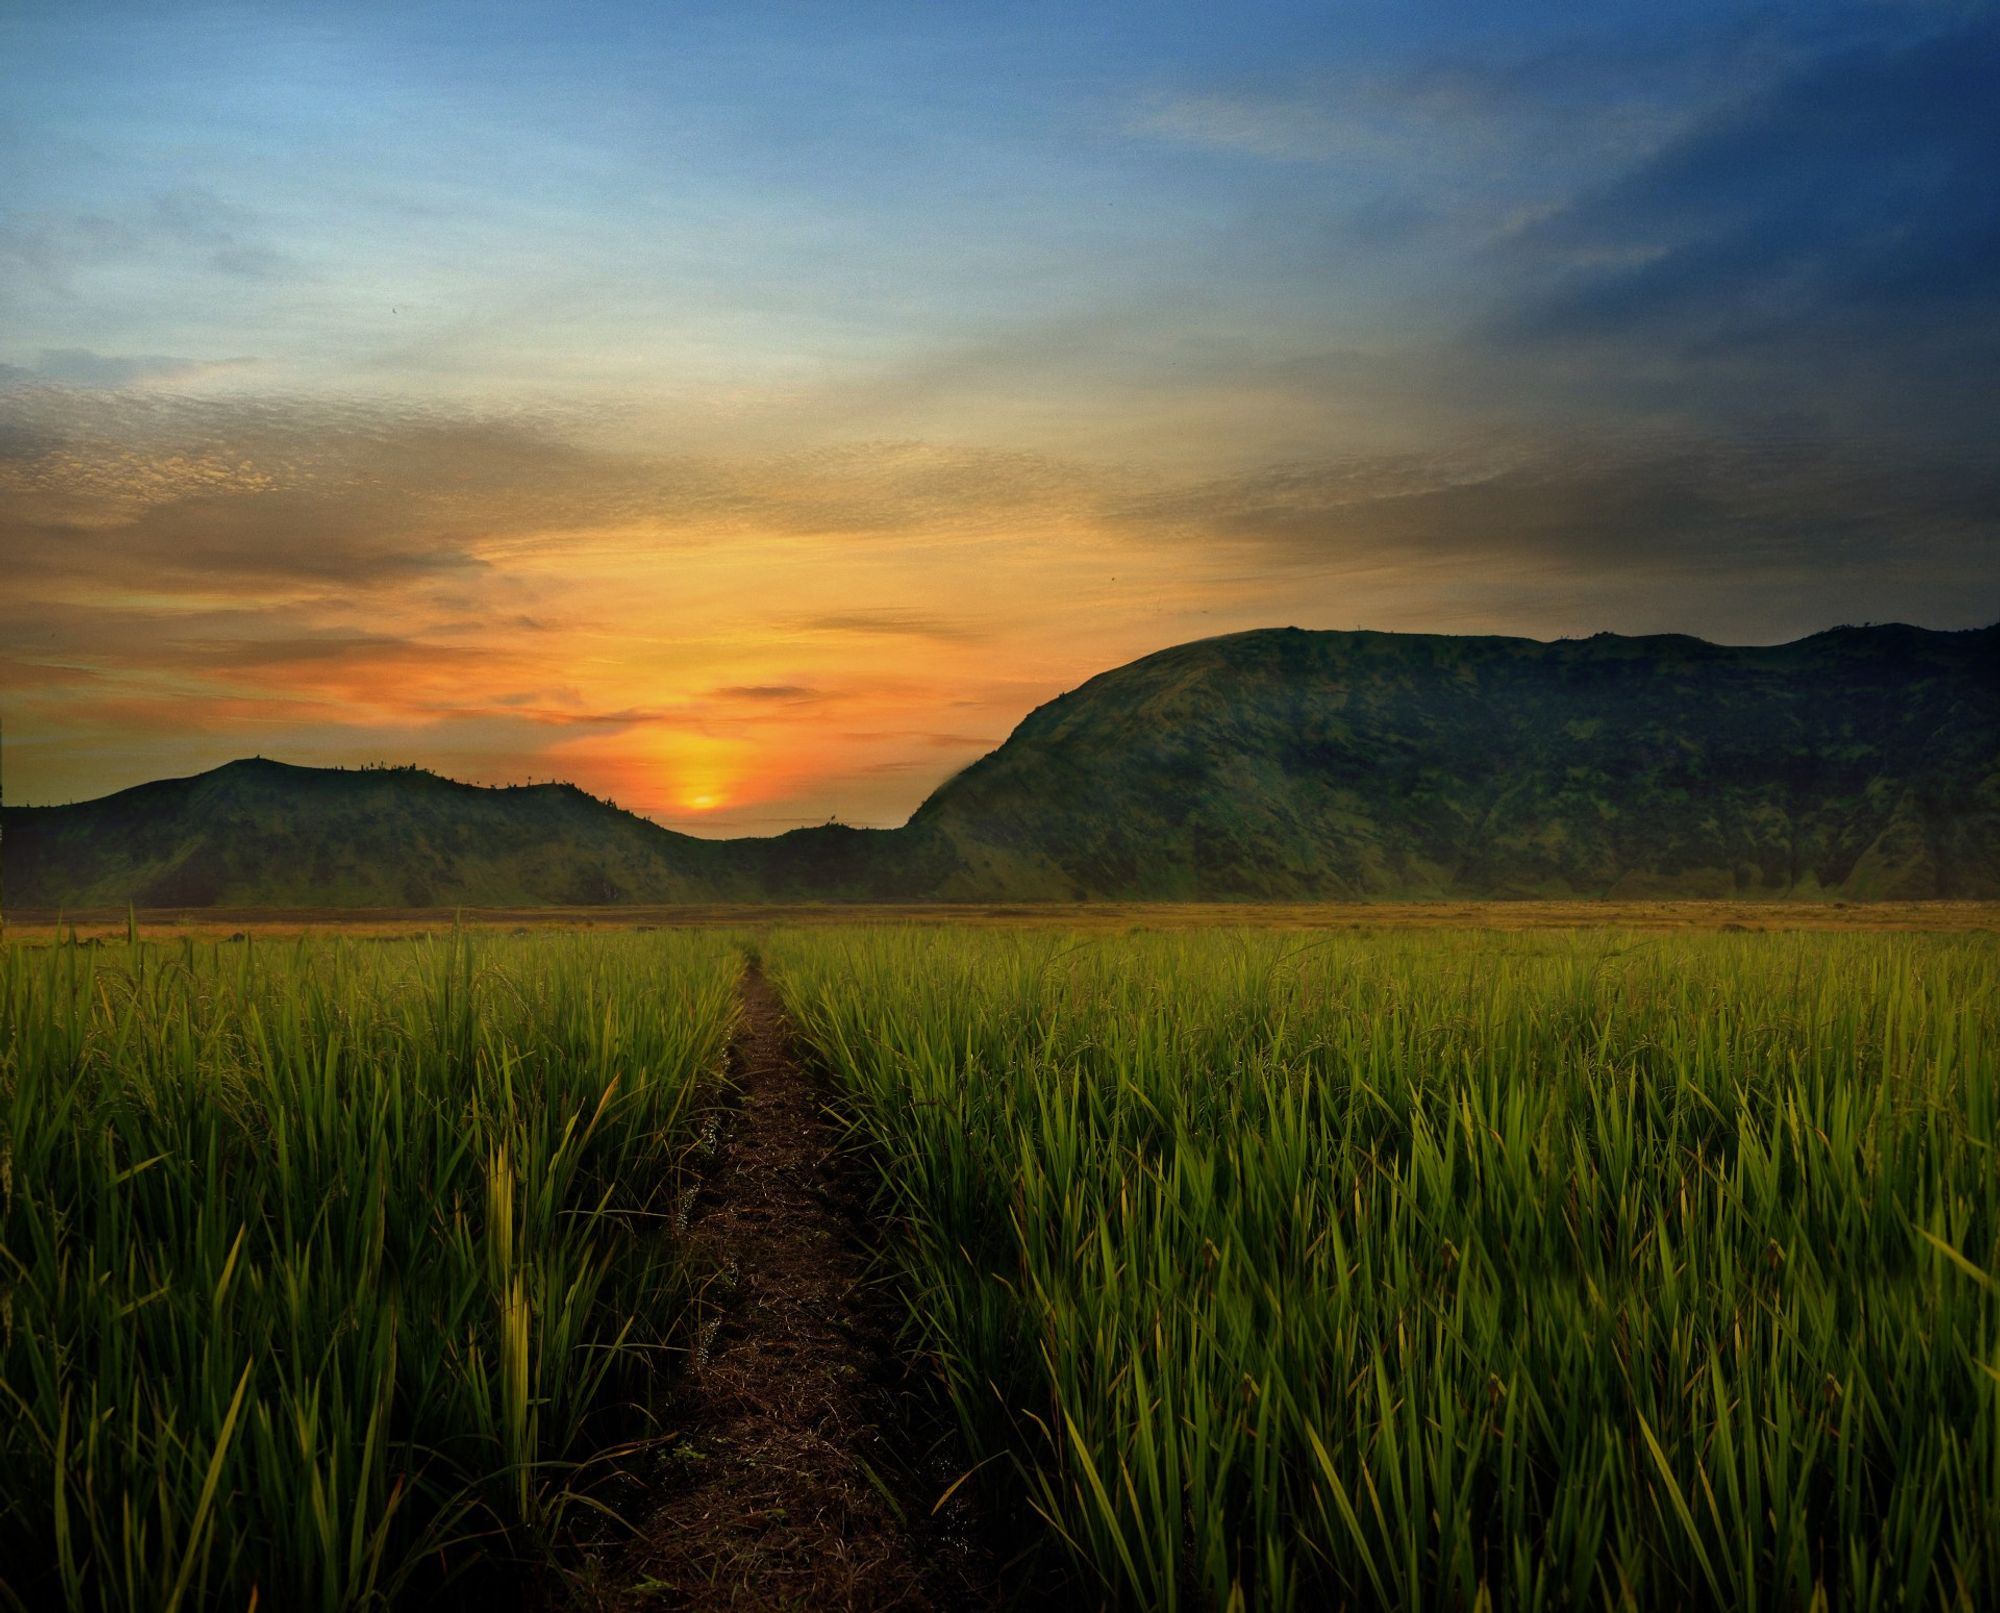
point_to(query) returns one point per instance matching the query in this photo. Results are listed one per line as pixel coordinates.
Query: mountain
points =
(1862, 762)
(260, 833)
(1279, 764)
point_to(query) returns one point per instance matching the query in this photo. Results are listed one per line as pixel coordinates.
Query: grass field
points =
(1451, 1269)
(1637, 1266)
(322, 1265)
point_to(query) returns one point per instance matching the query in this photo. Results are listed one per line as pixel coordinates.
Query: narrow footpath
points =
(794, 1483)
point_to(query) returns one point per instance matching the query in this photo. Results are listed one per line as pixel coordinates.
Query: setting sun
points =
(662, 769)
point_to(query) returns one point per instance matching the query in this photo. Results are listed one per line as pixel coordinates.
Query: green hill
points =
(259, 833)
(1862, 763)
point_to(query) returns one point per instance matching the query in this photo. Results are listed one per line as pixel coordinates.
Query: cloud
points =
(245, 536)
(191, 227)
(769, 693)
(1793, 531)
(1831, 241)
(891, 623)
(369, 493)
(313, 650)
(79, 366)
(23, 675)
(1588, 97)
(166, 491)
(450, 527)
(253, 263)
(420, 559)
(1282, 125)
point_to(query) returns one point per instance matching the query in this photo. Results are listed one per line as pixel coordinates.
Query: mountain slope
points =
(1863, 762)
(259, 833)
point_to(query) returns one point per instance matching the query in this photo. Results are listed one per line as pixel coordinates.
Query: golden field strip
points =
(1943, 916)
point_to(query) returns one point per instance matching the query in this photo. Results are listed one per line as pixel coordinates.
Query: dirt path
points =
(794, 1483)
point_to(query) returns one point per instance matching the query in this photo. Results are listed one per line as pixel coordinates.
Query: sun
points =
(668, 771)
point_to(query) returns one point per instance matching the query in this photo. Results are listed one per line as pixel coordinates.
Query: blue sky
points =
(1011, 340)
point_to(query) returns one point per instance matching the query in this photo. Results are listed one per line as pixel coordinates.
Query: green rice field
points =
(1256, 1268)
(1451, 1270)
(325, 1266)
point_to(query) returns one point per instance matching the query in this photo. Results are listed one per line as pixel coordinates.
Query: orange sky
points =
(791, 639)
(728, 644)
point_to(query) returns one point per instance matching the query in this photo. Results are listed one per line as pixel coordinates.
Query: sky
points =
(750, 412)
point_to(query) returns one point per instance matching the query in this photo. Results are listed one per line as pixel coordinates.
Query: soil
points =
(805, 1469)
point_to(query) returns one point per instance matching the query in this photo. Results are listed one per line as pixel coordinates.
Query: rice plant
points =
(1449, 1270)
(324, 1264)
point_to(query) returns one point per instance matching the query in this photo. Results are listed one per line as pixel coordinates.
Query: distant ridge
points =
(1280, 764)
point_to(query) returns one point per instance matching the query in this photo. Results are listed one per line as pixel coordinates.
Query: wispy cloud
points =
(891, 624)
(1272, 124)
(787, 694)
(190, 227)
(79, 366)
(1828, 247)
